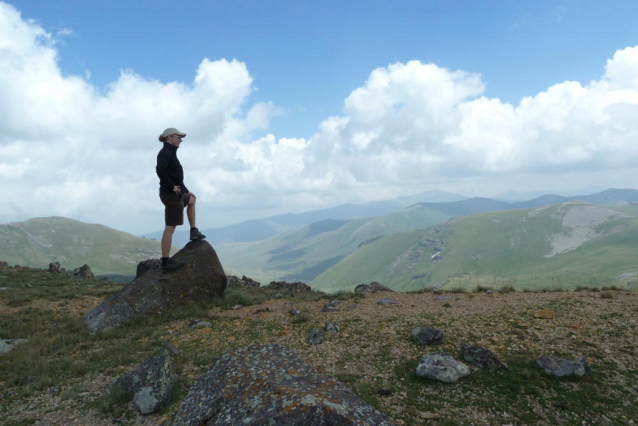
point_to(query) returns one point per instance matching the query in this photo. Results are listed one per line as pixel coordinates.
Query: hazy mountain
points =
(609, 197)
(302, 254)
(561, 245)
(37, 242)
(260, 229)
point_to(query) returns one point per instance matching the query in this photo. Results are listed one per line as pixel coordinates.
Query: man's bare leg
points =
(167, 241)
(190, 213)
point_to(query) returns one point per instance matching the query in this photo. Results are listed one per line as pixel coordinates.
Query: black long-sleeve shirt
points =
(169, 170)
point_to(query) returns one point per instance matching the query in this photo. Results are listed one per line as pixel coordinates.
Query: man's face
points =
(174, 140)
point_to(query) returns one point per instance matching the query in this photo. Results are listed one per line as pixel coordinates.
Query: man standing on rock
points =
(174, 195)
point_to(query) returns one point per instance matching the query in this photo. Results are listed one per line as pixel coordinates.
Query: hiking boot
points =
(196, 235)
(172, 266)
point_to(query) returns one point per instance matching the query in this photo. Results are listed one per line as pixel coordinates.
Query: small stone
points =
(329, 307)
(559, 367)
(545, 314)
(315, 337)
(237, 307)
(429, 416)
(443, 367)
(332, 327)
(481, 357)
(200, 324)
(386, 301)
(427, 336)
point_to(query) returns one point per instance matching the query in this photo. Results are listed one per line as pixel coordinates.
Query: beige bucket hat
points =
(170, 131)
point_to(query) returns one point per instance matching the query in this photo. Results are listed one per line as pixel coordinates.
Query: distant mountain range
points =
(305, 254)
(260, 229)
(559, 246)
(589, 238)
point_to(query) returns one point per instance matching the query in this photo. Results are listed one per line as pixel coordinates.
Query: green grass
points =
(61, 352)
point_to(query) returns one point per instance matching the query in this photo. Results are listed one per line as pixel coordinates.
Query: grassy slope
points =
(37, 242)
(491, 249)
(303, 254)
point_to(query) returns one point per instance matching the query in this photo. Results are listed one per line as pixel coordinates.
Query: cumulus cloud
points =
(69, 148)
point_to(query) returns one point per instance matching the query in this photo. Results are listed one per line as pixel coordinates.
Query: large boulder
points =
(262, 385)
(201, 280)
(83, 271)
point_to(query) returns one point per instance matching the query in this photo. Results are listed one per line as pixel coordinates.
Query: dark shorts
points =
(174, 208)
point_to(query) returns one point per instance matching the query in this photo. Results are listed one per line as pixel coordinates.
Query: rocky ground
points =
(373, 354)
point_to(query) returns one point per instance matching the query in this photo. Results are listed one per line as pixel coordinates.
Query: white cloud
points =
(68, 149)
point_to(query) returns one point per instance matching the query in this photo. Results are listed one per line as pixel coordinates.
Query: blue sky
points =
(296, 105)
(307, 56)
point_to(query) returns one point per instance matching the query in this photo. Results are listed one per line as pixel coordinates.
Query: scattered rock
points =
(386, 301)
(560, 367)
(7, 344)
(3, 264)
(545, 314)
(295, 312)
(332, 327)
(296, 287)
(443, 367)
(262, 385)
(83, 271)
(148, 265)
(244, 281)
(329, 307)
(151, 383)
(237, 307)
(481, 357)
(55, 267)
(373, 287)
(429, 416)
(427, 336)
(200, 324)
(315, 337)
(202, 279)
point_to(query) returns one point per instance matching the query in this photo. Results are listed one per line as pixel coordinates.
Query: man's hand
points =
(177, 190)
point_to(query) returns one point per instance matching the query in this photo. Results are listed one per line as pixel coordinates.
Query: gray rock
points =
(3, 264)
(329, 307)
(440, 298)
(270, 385)
(7, 344)
(315, 337)
(148, 265)
(481, 357)
(560, 367)
(55, 267)
(200, 324)
(244, 281)
(386, 301)
(151, 383)
(295, 312)
(83, 271)
(443, 367)
(290, 287)
(332, 327)
(427, 336)
(201, 280)
(373, 287)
